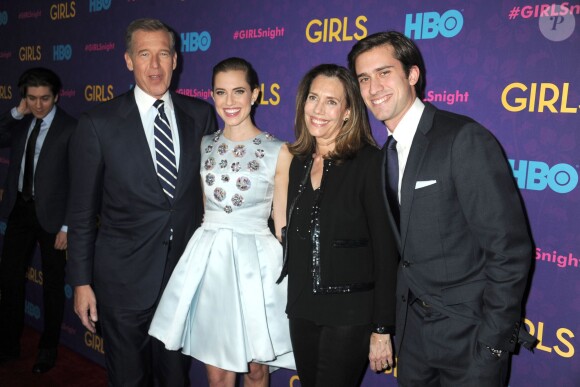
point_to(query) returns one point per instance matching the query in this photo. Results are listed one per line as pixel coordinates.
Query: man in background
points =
(135, 163)
(464, 241)
(34, 202)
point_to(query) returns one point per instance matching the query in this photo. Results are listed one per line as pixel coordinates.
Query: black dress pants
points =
(23, 232)
(329, 355)
(441, 351)
(135, 359)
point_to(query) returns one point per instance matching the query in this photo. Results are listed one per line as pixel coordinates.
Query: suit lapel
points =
(19, 145)
(414, 162)
(187, 141)
(136, 141)
(392, 221)
(51, 136)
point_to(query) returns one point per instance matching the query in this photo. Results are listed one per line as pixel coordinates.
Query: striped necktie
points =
(164, 152)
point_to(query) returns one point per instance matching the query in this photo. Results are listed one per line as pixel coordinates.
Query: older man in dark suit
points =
(34, 202)
(135, 164)
(464, 241)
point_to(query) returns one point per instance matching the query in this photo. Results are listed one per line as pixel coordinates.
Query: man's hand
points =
(86, 306)
(60, 241)
(23, 107)
(381, 352)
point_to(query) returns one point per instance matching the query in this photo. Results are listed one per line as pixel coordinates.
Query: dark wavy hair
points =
(354, 134)
(39, 76)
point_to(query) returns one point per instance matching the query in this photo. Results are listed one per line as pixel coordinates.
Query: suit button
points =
(406, 263)
(404, 298)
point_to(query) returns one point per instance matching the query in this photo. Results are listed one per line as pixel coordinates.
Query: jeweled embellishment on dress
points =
(239, 150)
(210, 179)
(223, 163)
(225, 178)
(237, 200)
(222, 149)
(259, 153)
(208, 148)
(236, 167)
(253, 165)
(228, 209)
(268, 136)
(257, 141)
(219, 194)
(243, 183)
(209, 163)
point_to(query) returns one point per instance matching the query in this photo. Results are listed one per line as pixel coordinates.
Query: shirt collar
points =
(408, 125)
(47, 120)
(145, 101)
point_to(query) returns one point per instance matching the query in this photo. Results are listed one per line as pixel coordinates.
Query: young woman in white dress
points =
(222, 305)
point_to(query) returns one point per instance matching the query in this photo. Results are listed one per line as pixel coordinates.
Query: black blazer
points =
(358, 254)
(465, 244)
(126, 257)
(51, 177)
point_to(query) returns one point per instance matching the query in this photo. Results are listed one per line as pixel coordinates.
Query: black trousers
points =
(23, 232)
(329, 355)
(441, 351)
(133, 358)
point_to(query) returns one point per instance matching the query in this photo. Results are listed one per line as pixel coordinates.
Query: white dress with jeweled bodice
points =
(222, 305)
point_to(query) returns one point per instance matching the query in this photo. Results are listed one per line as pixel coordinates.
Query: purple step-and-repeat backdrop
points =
(513, 65)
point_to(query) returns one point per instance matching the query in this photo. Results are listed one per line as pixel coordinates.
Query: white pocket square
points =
(424, 183)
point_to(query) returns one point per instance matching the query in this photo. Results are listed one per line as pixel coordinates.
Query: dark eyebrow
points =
(377, 70)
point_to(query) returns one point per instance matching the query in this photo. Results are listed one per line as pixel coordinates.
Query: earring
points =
(345, 119)
(252, 104)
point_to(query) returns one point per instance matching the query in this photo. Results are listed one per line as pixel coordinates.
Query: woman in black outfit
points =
(341, 257)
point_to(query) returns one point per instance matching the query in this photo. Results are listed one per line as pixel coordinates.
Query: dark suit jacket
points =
(358, 254)
(125, 257)
(465, 245)
(51, 177)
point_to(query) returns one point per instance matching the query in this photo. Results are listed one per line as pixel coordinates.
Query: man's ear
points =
(129, 62)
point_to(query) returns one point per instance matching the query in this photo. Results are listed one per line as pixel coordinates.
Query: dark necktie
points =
(29, 162)
(164, 151)
(392, 171)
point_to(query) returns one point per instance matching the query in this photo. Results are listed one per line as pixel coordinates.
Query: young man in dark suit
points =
(34, 202)
(464, 241)
(120, 264)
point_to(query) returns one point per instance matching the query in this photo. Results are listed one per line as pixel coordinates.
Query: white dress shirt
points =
(404, 134)
(148, 112)
(44, 127)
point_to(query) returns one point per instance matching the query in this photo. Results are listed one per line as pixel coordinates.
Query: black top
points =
(350, 278)
(301, 265)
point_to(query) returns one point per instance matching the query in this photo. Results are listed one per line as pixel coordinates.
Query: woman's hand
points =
(380, 352)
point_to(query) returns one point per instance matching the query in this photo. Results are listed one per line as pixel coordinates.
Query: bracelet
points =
(380, 329)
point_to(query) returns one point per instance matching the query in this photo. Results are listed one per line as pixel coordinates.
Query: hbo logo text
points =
(193, 41)
(430, 24)
(99, 5)
(61, 52)
(537, 176)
